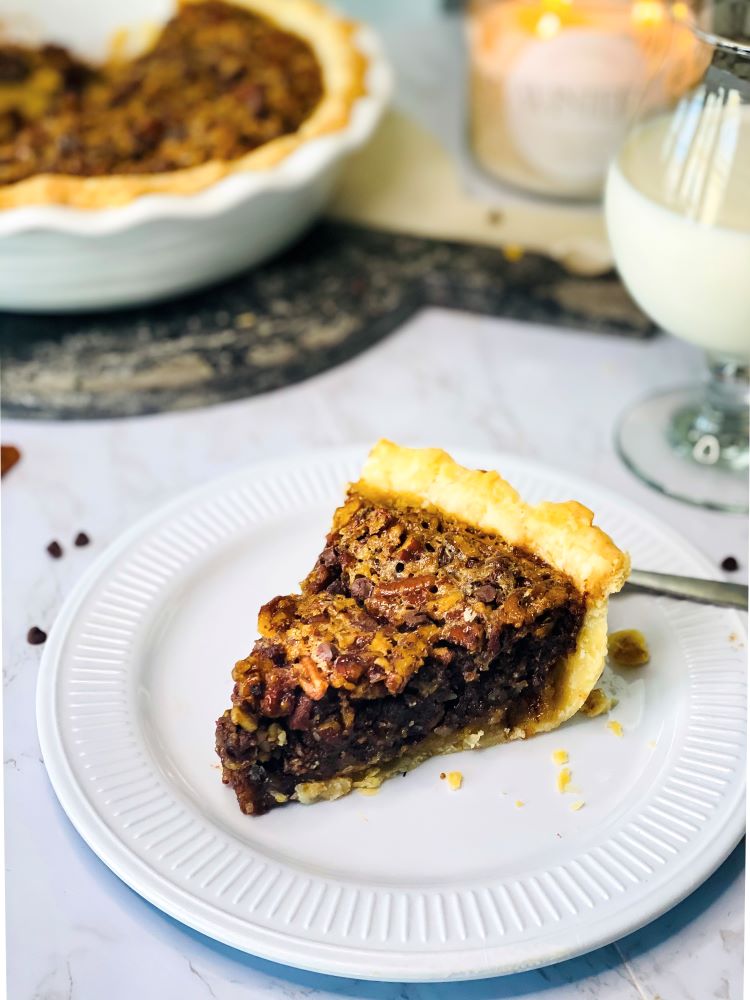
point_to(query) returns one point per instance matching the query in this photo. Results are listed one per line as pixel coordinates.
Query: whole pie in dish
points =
(443, 614)
(222, 87)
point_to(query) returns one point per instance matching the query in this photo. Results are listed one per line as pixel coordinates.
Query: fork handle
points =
(690, 588)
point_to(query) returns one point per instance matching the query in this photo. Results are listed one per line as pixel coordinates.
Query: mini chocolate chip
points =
(81, 539)
(55, 549)
(35, 636)
(486, 593)
(730, 564)
(416, 618)
(328, 556)
(361, 588)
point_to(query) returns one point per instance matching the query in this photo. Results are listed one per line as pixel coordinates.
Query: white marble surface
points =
(75, 931)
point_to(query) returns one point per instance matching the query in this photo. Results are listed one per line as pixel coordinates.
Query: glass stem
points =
(729, 385)
(720, 429)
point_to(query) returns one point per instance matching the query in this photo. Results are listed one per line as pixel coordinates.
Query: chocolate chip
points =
(730, 564)
(55, 550)
(10, 455)
(416, 618)
(486, 593)
(35, 636)
(81, 539)
(361, 588)
(328, 556)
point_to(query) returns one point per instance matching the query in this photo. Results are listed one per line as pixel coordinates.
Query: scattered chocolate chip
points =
(730, 564)
(9, 455)
(361, 588)
(35, 636)
(55, 550)
(81, 539)
(486, 593)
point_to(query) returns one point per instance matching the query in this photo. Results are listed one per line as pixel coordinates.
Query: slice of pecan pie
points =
(443, 614)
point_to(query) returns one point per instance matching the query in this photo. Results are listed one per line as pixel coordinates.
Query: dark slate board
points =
(336, 293)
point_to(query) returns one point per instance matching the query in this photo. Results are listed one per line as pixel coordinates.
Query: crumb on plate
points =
(597, 703)
(628, 648)
(579, 804)
(560, 757)
(615, 726)
(455, 780)
(519, 803)
(563, 779)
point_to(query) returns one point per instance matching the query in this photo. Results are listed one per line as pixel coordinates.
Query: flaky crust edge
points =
(343, 67)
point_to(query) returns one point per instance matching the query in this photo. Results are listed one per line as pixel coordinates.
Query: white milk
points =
(678, 216)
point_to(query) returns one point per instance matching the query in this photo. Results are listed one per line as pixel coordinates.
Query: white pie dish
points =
(60, 258)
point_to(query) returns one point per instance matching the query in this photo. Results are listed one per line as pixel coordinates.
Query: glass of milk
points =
(677, 207)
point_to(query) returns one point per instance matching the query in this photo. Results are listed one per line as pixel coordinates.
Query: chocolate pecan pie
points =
(223, 86)
(443, 614)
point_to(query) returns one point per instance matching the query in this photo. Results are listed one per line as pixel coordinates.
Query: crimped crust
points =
(343, 68)
(562, 534)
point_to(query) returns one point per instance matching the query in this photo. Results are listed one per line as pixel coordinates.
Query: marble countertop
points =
(449, 378)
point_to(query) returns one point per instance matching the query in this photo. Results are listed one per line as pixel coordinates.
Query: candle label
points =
(568, 102)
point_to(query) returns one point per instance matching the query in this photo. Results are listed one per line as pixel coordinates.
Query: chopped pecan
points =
(311, 678)
(470, 635)
(278, 698)
(347, 669)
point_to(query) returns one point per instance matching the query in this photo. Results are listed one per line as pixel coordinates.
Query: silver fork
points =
(688, 588)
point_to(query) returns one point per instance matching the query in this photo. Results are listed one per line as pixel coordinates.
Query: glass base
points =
(688, 451)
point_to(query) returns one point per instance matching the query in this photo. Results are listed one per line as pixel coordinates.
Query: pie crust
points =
(343, 69)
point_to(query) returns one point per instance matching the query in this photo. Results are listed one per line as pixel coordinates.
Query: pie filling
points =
(411, 627)
(218, 82)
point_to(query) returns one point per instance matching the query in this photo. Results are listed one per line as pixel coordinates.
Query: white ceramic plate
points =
(418, 882)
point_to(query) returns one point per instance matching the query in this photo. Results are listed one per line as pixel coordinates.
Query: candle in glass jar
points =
(554, 82)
